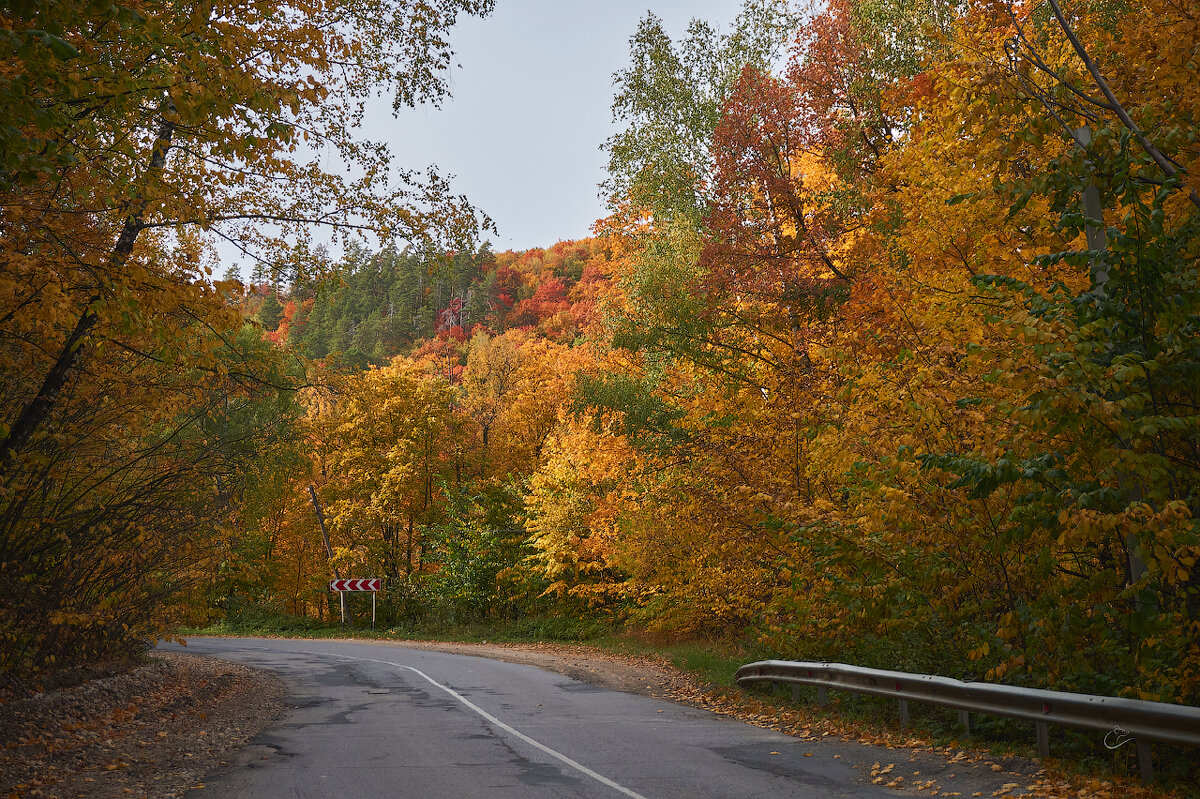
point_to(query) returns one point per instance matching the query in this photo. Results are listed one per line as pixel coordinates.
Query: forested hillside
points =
(886, 352)
(390, 303)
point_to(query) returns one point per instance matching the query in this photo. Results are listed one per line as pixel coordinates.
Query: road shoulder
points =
(151, 732)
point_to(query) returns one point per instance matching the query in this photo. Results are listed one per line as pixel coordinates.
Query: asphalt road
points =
(369, 720)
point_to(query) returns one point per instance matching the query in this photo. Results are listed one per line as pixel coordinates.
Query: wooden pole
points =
(312, 492)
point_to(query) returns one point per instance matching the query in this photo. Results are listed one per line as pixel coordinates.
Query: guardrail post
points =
(903, 713)
(1145, 761)
(796, 693)
(822, 695)
(964, 721)
(1043, 738)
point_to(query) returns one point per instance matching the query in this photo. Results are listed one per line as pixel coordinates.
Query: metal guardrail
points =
(1127, 719)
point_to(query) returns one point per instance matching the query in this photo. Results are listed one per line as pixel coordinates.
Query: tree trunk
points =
(34, 414)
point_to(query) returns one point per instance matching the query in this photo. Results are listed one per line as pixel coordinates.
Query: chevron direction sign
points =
(366, 584)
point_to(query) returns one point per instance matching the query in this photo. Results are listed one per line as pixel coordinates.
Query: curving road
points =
(370, 720)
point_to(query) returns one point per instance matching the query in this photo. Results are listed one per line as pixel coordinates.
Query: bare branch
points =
(1164, 163)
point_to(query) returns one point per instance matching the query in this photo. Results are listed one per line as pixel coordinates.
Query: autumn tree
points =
(982, 451)
(1097, 447)
(573, 505)
(668, 102)
(133, 136)
(390, 438)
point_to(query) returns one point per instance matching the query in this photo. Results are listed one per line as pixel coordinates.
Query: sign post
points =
(371, 584)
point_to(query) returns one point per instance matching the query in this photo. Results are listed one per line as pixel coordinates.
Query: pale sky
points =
(531, 108)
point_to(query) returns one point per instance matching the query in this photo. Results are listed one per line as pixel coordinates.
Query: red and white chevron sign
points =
(365, 584)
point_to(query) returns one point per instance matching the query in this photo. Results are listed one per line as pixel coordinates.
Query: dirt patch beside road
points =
(153, 732)
(646, 675)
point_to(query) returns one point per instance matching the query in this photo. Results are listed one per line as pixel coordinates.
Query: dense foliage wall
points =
(915, 385)
(132, 403)
(886, 353)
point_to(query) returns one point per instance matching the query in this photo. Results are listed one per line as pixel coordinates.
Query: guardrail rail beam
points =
(1129, 719)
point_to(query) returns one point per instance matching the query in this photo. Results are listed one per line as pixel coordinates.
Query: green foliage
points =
(270, 312)
(670, 99)
(241, 561)
(244, 617)
(667, 316)
(553, 628)
(904, 37)
(641, 416)
(1107, 501)
(380, 305)
(473, 556)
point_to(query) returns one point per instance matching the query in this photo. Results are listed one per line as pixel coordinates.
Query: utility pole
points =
(1097, 240)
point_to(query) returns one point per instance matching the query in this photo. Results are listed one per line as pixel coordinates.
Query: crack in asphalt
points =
(513, 731)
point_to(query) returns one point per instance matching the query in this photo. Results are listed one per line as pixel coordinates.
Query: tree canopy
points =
(131, 137)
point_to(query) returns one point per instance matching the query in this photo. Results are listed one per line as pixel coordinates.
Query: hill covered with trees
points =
(393, 302)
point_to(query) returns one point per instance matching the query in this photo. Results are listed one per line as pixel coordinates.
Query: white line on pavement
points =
(497, 722)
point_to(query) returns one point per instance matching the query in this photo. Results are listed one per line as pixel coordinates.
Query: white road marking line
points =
(497, 722)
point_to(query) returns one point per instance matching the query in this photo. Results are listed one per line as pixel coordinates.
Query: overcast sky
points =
(531, 108)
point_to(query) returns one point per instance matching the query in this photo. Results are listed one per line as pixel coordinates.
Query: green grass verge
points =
(258, 622)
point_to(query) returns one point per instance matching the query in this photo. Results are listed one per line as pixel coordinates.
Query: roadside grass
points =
(714, 662)
(261, 622)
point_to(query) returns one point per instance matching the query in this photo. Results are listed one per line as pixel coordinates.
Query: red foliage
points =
(593, 274)
(279, 336)
(449, 317)
(442, 349)
(571, 249)
(548, 299)
(550, 292)
(524, 314)
(770, 232)
(838, 96)
(508, 282)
